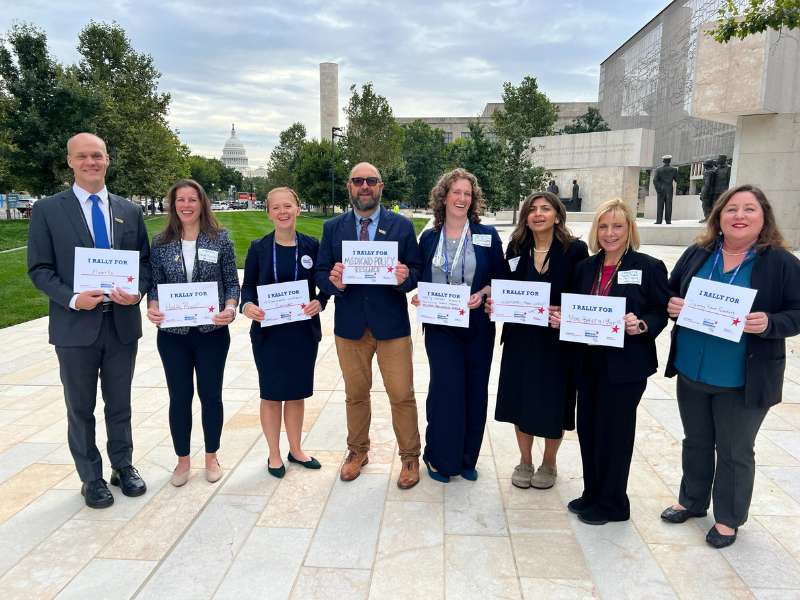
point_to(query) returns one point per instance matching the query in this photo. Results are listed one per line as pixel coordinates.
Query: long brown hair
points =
(208, 222)
(522, 237)
(439, 193)
(769, 236)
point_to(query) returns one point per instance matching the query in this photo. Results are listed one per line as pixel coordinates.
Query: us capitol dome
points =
(234, 155)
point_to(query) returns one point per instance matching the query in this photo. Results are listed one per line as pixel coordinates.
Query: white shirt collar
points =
(83, 195)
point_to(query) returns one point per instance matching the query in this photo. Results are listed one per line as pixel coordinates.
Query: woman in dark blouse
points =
(725, 388)
(285, 354)
(541, 249)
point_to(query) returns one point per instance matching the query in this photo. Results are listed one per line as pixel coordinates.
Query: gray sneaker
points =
(522, 476)
(544, 478)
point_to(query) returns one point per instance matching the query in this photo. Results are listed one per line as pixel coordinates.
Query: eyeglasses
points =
(359, 181)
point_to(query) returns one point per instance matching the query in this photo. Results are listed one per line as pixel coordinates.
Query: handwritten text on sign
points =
(369, 262)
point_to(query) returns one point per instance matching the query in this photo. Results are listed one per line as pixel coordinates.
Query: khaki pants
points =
(394, 361)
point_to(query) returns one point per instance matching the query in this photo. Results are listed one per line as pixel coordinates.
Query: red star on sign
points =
(736, 321)
(541, 310)
(615, 329)
(390, 269)
(461, 311)
(211, 309)
(302, 306)
(130, 278)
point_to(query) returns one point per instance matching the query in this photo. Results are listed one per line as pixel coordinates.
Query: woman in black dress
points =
(536, 391)
(285, 354)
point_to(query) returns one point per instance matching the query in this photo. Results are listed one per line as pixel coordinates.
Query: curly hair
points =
(769, 236)
(439, 193)
(522, 237)
(173, 230)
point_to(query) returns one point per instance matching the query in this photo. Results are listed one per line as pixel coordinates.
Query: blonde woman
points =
(611, 381)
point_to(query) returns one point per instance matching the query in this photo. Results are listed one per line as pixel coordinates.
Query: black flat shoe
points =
(720, 540)
(676, 515)
(311, 463)
(435, 475)
(129, 481)
(592, 517)
(470, 474)
(278, 472)
(578, 506)
(97, 494)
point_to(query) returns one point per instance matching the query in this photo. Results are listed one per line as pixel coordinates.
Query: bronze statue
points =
(722, 177)
(707, 193)
(663, 179)
(553, 187)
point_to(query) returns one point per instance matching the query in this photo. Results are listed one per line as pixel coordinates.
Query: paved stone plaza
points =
(312, 536)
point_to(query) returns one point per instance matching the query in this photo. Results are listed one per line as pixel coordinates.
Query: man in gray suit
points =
(92, 333)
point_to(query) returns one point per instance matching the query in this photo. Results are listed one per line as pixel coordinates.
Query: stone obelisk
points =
(328, 99)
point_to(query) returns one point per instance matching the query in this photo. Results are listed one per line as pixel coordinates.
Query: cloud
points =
(256, 64)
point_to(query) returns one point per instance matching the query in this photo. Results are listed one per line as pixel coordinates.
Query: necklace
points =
(735, 253)
(542, 251)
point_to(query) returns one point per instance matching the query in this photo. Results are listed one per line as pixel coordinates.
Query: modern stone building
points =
(454, 128)
(648, 83)
(234, 155)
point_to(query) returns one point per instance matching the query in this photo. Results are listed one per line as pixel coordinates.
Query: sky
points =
(256, 64)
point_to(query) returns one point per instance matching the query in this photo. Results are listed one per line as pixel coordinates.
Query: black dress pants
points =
(184, 356)
(606, 425)
(79, 367)
(717, 422)
(664, 207)
(458, 395)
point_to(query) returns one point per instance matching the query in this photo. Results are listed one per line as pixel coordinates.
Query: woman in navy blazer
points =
(458, 251)
(611, 381)
(194, 248)
(285, 354)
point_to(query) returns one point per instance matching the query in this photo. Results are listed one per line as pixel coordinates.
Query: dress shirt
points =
(86, 206)
(373, 222)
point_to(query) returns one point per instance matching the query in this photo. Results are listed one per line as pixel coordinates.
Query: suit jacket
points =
(167, 264)
(381, 308)
(56, 228)
(488, 264)
(258, 270)
(663, 178)
(637, 360)
(776, 276)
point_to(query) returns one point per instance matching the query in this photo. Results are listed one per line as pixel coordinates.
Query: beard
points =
(365, 203)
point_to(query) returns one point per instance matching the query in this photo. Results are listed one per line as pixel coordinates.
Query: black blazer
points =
(381, 308)
(56, 228)
(648, 301)
(776, 276)
(488, 263)
(258, 271)
(561, 269)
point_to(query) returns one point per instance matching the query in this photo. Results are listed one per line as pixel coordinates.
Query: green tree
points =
(397, 186)
(482, 157)
(757, 17)
(372, 134)
(589, 122)
(424, 156)
(133, 112)
(44, 105)
(284, 157)
(315, 163)
(205, 171)
(527, 113)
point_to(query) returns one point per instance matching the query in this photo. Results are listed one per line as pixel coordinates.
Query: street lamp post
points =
(335, 132)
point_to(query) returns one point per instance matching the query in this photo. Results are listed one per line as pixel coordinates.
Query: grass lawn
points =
(20, 301)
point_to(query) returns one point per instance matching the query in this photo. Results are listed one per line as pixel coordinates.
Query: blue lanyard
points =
(717, 254)
(275, 258)
(463, 261)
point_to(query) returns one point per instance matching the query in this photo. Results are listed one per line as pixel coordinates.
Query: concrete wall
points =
(622, 148)
(599, 184)
(328, 99)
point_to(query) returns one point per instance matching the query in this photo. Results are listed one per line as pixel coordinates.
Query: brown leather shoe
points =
(409, 474)
(352, 465)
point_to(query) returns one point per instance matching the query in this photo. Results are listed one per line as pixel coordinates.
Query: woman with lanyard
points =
(193, 248)
(610, 380)
(541, 249)
(284, 354)
(725, 388)
(458, 250)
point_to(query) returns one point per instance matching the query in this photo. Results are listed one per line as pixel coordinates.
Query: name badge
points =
(633, 276)
(207, 255)
(482, 239)
(513, 262)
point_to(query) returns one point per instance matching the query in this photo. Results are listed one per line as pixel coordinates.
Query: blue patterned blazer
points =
(166, 261)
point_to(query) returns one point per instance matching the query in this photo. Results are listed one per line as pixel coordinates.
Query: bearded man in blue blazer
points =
(373, 319)
(93, 333)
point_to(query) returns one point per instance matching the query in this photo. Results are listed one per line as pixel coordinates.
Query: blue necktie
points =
(98, 224)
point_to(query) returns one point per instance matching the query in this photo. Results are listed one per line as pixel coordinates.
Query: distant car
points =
(219, 206)
(239, 204)
(258, 205)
